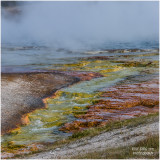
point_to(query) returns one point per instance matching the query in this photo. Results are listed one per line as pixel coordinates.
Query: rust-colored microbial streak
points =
(119, 103)
(82, 75)
(45, 100)
(25, 119)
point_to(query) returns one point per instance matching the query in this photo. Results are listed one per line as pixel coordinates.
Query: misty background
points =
(79, 25)
(37, 35)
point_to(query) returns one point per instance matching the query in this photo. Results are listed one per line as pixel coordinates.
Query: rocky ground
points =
(112, 139)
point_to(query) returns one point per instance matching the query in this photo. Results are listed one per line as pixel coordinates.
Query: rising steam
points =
(81, 24)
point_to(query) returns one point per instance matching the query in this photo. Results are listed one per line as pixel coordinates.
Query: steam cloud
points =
(82, 24)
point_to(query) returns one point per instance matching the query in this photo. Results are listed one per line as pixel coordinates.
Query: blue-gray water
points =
(31, 56)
